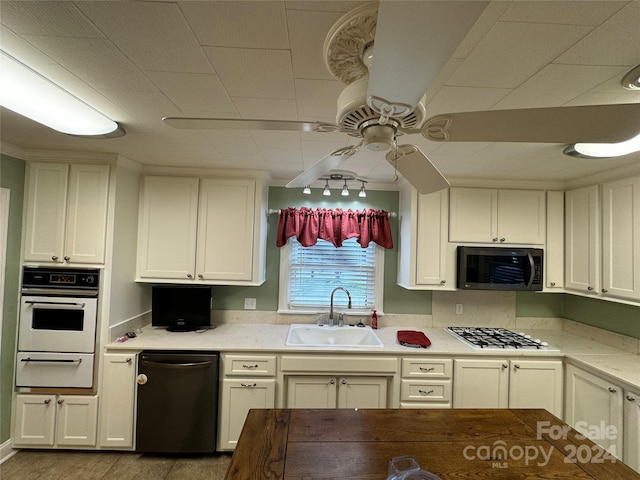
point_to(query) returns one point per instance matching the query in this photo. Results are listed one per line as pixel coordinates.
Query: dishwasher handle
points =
(204, 364)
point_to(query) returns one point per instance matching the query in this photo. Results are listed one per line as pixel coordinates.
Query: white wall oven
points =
(57, 332)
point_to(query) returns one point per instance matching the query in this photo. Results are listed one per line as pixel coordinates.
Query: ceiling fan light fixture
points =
(34, 96)
(345, 190)
(631, 80)
(604, 150)
(307, 190)
(378, 138)
(327, 191)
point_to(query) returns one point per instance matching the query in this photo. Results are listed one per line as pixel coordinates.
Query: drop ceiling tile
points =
(323, 5)
(465, 99)
(266, 108)
(483, 25)
(615, 42)
(280, 156)
(245, 24)
(145, 106)
(194, 92)
(154, 35)
(317, 98)
(233, 146)
(47, 18)
(558, 84)
(253, 73)
(307, 31)
(562, 12)
(96, 61)
(277, 139)
(597, 98)
(511, 52)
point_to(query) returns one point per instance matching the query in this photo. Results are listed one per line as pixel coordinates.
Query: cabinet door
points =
(594, 407)
(554, 247)
(632, 429)
(536, 384)
(117, 405)
(86, 224)
(582, 233)
(238, 397)
(362, 392)
(77, 419)
(35, 418)
(521, 216)
(311, 392)
(226, 229)
(168, 225)
(434, 263)
(481, 384)
(46, 212)
(621, 238)
(473, 215)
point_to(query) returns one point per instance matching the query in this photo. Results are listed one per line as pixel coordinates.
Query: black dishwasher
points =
(177, 402)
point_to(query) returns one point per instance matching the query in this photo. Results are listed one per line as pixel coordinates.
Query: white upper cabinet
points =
(209, 230)
(621, 238)
(582, 240)
(497, 216)
(66, 213)
(426, 259)
(554, 247)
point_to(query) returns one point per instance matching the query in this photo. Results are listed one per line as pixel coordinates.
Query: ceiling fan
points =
(388, 54)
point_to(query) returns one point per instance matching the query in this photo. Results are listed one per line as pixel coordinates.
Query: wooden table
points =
(451, 443)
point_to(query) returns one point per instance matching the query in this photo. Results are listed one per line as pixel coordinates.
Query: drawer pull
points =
(250, 366)
(249, 385)
(427, 369)
(425, 392)
(631, 398)
(613, 390)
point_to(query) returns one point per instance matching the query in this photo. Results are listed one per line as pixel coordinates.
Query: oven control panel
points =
(58, 278)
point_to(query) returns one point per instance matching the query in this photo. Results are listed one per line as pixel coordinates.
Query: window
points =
(308, 275)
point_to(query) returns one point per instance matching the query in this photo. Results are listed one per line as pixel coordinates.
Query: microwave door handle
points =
(532, 269)
(80, 305)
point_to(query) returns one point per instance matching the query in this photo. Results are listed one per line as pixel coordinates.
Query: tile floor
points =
(70, 465)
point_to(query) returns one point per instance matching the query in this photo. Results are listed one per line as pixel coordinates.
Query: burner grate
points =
(496, 338)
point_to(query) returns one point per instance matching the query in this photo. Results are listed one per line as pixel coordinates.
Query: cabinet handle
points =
(428, 369)
(344, 382)
(67, 258)
(516, 366)
(128, 360)
(425, 392)
(613, 390)
(249, 385)
(200, 276)
(60, 402)
(250, 366)
(495, 239)
(54, 258)
(332, 381)
(442, 282)
(631, 398)
(553, 284)
(189, 275)
(604, 290)
(502, 239)
(47, 401)
(504, 365)
(589, 288)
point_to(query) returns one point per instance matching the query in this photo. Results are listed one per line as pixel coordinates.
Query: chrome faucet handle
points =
(341, 319)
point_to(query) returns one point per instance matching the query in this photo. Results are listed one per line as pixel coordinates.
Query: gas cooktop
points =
(489, 338)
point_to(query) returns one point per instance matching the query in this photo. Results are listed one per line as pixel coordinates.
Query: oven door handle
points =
(51, 360)
(80, 305)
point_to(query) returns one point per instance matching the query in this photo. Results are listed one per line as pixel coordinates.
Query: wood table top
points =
(457, 444)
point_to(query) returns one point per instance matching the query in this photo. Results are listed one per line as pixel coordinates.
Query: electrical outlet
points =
(459, 309)
(249, 303)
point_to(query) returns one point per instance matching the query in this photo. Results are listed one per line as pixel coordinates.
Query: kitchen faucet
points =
(331, 306)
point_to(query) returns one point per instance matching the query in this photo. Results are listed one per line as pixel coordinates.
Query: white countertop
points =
(259, 338)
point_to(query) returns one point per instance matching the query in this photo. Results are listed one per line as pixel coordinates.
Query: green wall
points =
(11, 177)
(396, 299)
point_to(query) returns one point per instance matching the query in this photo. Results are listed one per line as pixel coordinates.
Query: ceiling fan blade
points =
(414, 40)
(322, 167)
(245, 124)
(582, 124)
(417, 169)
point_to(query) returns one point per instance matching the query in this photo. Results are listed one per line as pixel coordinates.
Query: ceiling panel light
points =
(601, 150)
(28, 93)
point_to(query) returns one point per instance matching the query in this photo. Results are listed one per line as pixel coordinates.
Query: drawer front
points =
(412, 391)
(431, 368)
(250, 365)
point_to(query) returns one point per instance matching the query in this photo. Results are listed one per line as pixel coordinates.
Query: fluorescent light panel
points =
(28, 93)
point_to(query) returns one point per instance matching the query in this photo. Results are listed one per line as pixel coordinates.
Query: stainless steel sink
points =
(324, 336)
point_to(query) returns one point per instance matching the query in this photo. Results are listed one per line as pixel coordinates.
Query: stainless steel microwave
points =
(500, 268)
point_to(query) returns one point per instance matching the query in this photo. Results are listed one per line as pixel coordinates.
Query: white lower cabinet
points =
(594, 406)
(55, 420)
(500, 383)
(117, 409)
(248, 381)
(336, 392)
(631, 439)
(426, 383)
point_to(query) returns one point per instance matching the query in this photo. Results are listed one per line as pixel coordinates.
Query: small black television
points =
(181, 308)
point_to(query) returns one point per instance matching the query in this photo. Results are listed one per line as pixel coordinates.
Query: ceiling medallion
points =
(347, 41)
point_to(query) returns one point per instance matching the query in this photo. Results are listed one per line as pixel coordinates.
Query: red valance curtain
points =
(335, 226)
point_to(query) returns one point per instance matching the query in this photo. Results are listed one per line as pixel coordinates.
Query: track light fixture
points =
(362, 193)
(307, 190)
(342, 175)
(327, 191)
(345, 190)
